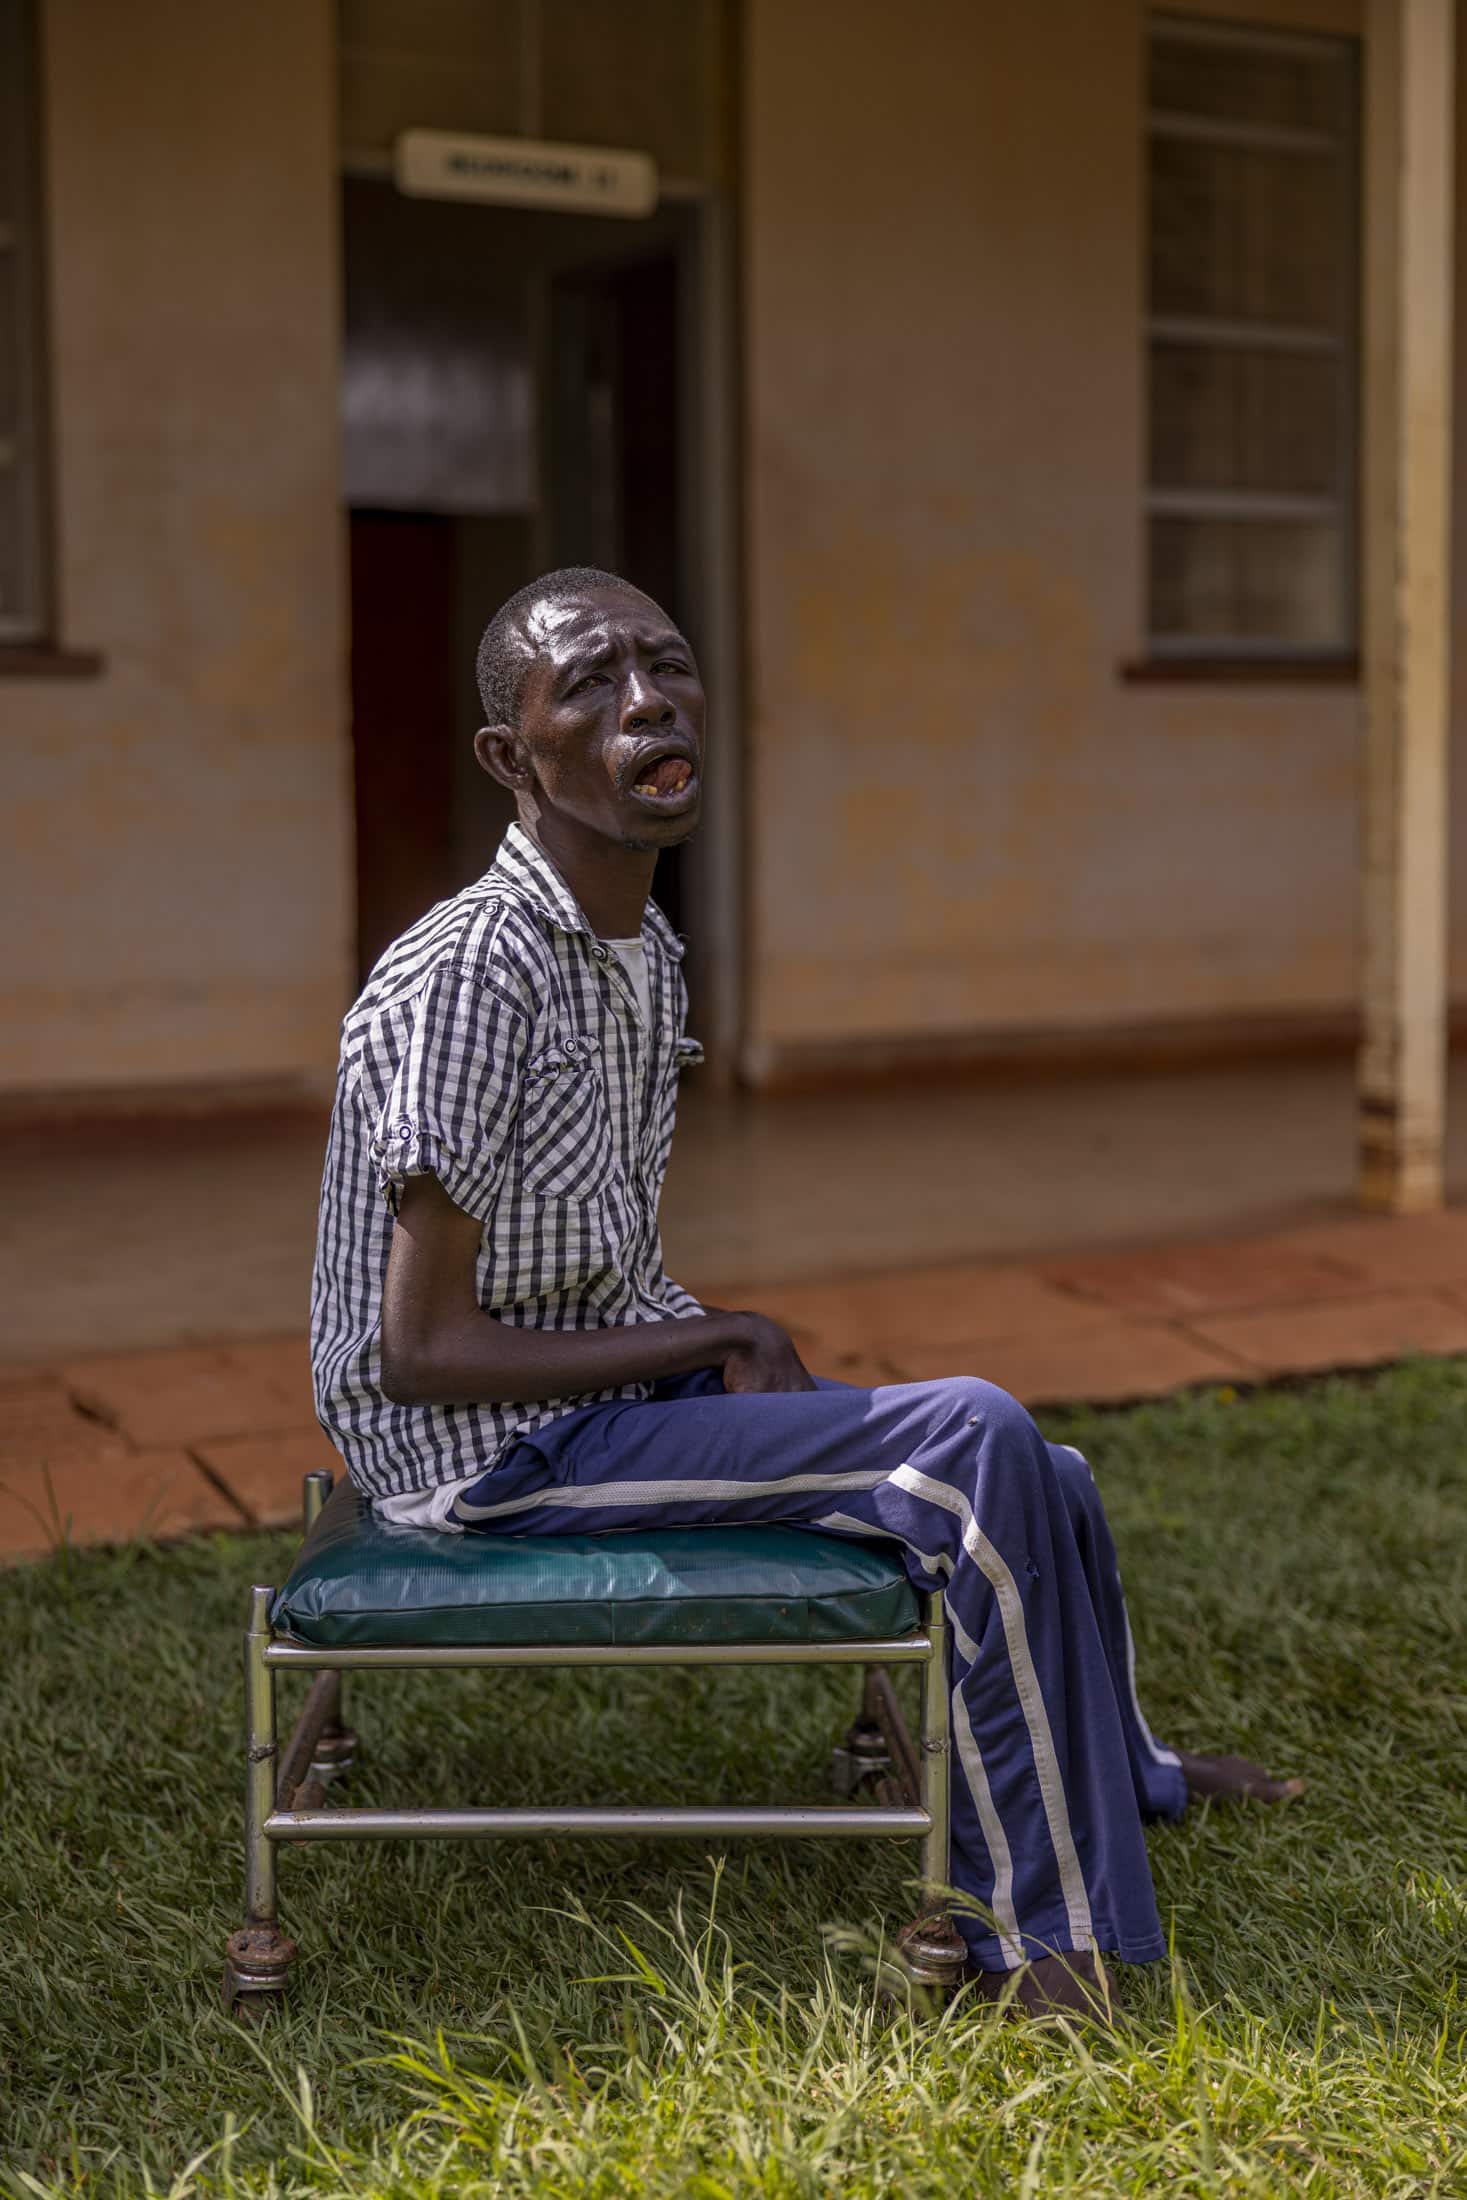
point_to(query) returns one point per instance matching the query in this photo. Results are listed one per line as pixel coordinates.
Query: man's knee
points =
(992, 1414)
(1008, 1431)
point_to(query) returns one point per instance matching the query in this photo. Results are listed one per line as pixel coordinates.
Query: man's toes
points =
(1278, 1791)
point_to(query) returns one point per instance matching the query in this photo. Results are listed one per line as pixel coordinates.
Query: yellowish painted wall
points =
(961, 818)
(174, 850)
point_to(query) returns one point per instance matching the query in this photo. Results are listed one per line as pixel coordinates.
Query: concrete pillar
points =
(1409, 80)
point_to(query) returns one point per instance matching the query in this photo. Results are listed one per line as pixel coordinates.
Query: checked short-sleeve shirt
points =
(498, 1046)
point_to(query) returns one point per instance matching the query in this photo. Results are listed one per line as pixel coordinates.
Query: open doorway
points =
(519, 392)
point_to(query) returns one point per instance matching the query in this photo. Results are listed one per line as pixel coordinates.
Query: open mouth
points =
(665, 780)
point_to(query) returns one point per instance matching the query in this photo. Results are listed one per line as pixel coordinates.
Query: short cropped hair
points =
(503, 663)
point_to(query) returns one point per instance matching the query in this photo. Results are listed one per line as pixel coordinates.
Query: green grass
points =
(630, 2021)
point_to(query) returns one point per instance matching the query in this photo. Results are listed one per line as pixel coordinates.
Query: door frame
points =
(712, 530)
(711, 524)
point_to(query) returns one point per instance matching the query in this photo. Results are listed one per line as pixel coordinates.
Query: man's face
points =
(610, 730)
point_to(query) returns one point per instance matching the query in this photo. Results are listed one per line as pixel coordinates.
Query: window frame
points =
(1236, 656)
(27, 632)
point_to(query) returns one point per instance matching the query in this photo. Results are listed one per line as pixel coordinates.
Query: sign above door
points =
(509, 171)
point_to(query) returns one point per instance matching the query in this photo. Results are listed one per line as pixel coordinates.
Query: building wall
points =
(963, 820)
(174, 832)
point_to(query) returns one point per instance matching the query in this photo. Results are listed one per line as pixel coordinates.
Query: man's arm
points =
(439, 1347)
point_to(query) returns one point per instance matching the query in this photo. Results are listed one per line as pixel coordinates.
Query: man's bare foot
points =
(1053, 1986)
(1236, 1777)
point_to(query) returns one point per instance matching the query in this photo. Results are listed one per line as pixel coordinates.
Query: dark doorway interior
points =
(427, 818)
(612, 443)
(402, 717)
(513, 399)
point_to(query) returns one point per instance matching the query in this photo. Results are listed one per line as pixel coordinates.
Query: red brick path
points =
(162, 1443)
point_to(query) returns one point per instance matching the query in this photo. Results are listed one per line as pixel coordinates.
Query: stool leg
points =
(316, 1487)
(932, 1950)
(336, 1745)
(863, 1757)
(257, 1959)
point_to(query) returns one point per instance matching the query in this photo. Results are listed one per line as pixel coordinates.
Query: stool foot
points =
(927, 1958)
(860, 1760)
(335, 1753)
(257, 1961)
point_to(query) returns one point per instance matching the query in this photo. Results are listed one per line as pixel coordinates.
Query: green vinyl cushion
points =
(358, 1581)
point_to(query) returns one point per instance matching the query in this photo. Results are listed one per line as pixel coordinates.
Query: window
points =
(25, 610)
(1251, 336)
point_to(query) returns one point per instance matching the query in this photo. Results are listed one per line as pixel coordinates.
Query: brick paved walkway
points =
(163, 1443)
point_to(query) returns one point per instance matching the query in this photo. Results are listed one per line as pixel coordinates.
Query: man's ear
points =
(501, 753)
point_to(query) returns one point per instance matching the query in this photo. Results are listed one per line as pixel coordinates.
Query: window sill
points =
(1339, 670)
(40, 661)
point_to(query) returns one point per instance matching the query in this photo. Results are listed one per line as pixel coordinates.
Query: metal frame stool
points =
(286, 1793)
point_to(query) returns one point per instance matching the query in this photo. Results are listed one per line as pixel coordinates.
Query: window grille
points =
(24, 551)
(1252, 342)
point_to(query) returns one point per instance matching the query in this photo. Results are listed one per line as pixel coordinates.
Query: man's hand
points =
(763, 1358)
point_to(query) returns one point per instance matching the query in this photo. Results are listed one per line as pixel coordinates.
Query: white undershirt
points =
(632, 956)
(430, 1508)
(424, 1508)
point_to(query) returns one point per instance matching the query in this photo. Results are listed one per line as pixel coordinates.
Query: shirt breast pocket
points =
(565, 1129)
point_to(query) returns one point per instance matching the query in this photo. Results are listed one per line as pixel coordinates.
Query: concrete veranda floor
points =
(120, 1237)
(1101, 1238)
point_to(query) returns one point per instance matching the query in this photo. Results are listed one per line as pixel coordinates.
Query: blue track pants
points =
(1054, 1766)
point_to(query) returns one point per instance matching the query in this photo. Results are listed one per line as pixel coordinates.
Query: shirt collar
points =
(536, 876)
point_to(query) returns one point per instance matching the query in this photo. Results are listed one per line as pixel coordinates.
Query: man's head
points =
(593, 709)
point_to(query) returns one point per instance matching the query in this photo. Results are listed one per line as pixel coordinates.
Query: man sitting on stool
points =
(497, 1346)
